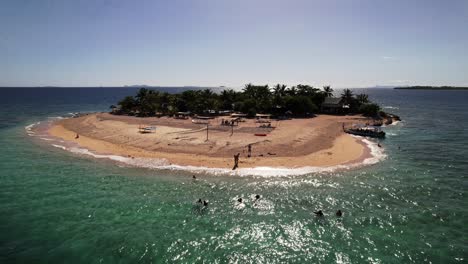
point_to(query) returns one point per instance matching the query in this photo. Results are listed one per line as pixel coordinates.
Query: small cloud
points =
(389, 58)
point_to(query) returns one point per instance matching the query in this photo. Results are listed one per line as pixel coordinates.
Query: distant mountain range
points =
(423, 87)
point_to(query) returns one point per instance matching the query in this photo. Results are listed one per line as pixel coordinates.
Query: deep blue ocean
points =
(60, 207)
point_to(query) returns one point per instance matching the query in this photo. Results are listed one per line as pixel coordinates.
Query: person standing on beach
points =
(236, 161)
(249, 147)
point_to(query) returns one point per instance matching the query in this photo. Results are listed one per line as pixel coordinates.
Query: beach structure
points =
(146, 129)
(238, 115)
(224, 112)
(201, 120)
(182, 115)
(210, 112)
(333, 105)
(262, 118)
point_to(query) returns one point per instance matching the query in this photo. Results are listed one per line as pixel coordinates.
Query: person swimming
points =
(339, 213)
(199, 201)
(205, 203)
(319, 213)
(239, 200)
(257, 196)
(194, 177)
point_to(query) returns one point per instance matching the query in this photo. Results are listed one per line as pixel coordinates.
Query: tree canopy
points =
(300, 101)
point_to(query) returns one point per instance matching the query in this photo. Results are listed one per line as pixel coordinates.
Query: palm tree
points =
(249, 90)
(328, 91)
(279, 90)
(207, 93)
(362, 98)
(303, 89)
(292, 91)
(347, 96)
(227, 98)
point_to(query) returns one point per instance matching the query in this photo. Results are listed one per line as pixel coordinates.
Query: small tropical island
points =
(259, 126)
(423, 87)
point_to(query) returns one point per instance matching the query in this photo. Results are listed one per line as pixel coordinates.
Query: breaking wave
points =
(391, 107)
(29, 128)
(377, 154)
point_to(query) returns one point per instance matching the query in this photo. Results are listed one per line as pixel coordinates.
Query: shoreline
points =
(333, 152)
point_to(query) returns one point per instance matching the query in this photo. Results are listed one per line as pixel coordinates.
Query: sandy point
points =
(295, 143)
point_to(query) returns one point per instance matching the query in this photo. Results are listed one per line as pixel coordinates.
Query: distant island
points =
(420, 87)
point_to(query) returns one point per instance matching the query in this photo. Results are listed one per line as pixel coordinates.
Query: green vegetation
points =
(422, 87)
(297, 101)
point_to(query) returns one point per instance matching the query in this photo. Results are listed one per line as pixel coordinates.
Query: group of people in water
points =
(204, 202)
(257, 197)
(319, 213)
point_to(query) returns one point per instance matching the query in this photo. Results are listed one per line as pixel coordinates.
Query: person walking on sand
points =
(77, 136)
(236, 161)
(249, 149)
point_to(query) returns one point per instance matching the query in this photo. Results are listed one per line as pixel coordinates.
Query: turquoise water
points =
(58, 207)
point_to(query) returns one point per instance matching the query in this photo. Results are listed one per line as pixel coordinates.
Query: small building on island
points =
(333, 105)
(182, 115)
(234, 115)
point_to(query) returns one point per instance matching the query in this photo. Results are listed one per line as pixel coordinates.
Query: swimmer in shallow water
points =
(319, 213)
(205, 203)
(339, 213)
(239, 200)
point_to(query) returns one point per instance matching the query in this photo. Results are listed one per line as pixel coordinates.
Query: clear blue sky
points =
(214, 42)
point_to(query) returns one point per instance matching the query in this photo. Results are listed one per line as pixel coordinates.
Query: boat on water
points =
(366, 131)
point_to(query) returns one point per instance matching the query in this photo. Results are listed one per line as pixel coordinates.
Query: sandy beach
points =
(318, 142)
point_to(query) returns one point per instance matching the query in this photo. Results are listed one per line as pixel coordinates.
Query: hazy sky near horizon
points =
(343, 43)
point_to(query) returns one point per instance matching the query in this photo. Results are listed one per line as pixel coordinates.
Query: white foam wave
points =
(59, 146)
(47, 139)
(377, 154)
(391, 107)
(29, 128)
(56, 117)
(395, 123)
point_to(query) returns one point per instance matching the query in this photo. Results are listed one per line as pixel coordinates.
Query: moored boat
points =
(366, 131)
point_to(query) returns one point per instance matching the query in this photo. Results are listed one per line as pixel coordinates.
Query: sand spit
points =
(294, 146)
